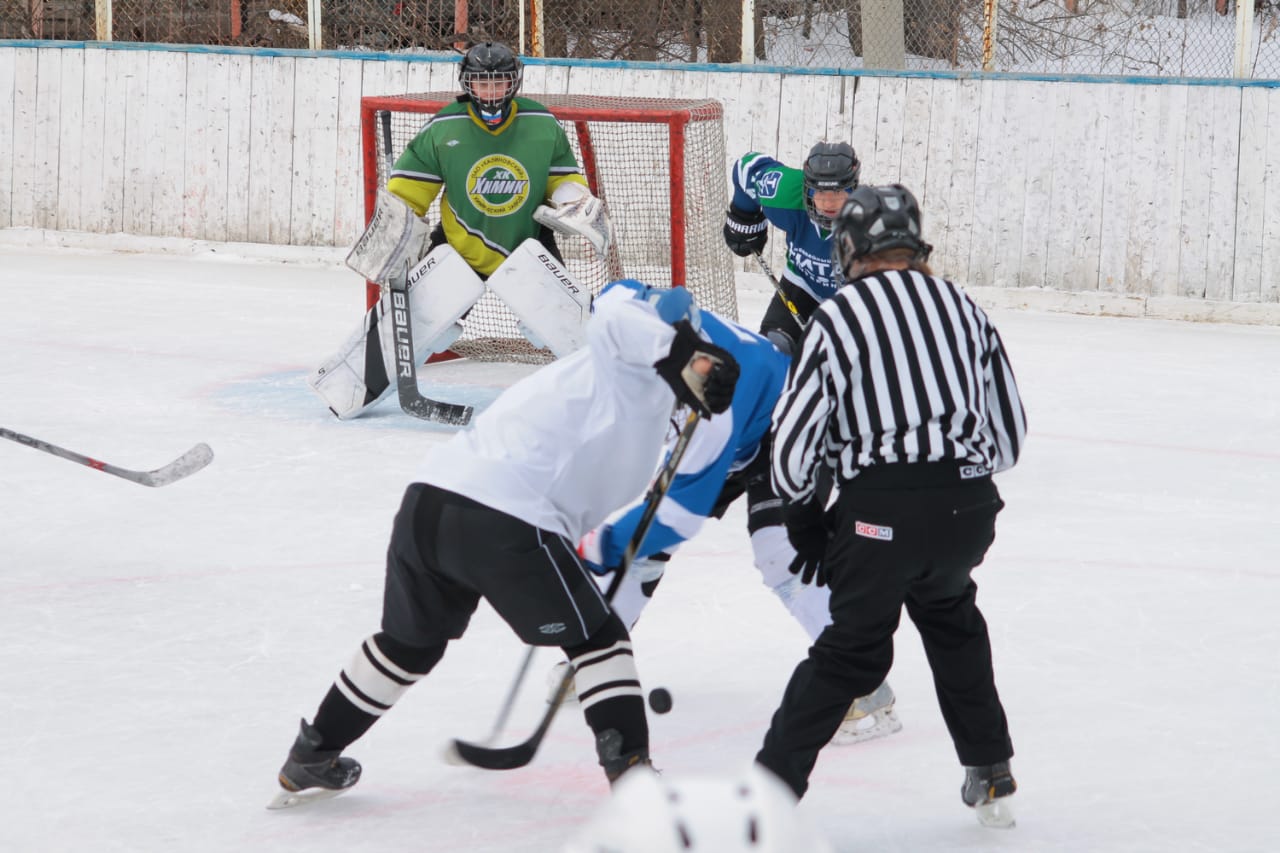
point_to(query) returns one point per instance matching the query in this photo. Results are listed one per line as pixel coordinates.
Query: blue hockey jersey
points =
(720, 445)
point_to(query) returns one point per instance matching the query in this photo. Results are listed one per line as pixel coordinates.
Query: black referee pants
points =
(890, 547)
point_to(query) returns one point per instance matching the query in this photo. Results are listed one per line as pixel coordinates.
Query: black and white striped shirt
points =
(895, 367)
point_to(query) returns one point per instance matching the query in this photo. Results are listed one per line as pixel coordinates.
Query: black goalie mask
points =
(490, 75)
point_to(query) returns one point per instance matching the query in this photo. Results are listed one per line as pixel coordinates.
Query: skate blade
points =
(997, 814)
(883, 723)
(289, 799)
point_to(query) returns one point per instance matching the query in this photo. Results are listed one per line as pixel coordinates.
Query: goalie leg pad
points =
(442, 287)
(549, 303)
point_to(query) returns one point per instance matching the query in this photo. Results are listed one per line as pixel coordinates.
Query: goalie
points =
(507, 179)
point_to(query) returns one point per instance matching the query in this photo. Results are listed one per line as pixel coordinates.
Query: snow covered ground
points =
(158, 646)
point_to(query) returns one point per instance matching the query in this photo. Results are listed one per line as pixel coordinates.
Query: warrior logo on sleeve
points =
(497, 185)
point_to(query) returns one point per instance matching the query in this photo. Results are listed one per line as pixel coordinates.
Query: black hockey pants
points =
(911, 535)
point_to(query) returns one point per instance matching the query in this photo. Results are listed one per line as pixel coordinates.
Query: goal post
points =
(658, 164)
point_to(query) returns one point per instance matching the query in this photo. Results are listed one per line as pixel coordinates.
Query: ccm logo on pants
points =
(873, 531)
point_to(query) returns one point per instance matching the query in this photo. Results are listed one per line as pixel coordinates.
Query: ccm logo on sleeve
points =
(873, 531)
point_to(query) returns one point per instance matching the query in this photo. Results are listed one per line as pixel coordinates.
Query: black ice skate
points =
(311, 773)
(987, 790)
(609, 748)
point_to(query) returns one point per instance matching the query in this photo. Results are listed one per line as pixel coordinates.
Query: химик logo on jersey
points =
(497, 185)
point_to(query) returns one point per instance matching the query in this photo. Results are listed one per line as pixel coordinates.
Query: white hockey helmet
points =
(750, 812)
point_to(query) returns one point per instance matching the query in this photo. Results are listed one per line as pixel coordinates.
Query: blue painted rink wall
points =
(1129, 195)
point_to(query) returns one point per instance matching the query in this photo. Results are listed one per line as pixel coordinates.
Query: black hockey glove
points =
(808, 534)
(707, 395)
(745, 233)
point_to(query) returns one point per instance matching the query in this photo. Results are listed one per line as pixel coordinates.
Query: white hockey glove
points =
(584, 216)
(395, 236)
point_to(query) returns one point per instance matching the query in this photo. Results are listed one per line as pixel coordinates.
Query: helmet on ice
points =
(750, 812)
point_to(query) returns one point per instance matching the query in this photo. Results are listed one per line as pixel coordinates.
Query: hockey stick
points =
(510, 702)
(511, 757)
(184, 466)
(777, 286)
(411, 399)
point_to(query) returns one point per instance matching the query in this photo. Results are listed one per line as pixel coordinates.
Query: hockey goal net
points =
(658, 165)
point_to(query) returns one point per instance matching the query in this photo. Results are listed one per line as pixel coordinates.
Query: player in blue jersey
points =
(728, 457)
(801, 203)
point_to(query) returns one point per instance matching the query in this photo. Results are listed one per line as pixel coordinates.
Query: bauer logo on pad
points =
(873, 531)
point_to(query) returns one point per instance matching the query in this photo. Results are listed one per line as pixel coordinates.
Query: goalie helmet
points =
(487, 63)
(751, 812)
(829, 166)
(875, 219)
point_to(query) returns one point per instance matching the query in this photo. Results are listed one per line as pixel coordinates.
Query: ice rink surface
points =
(157, 646)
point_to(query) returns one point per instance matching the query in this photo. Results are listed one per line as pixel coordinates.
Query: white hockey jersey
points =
(566, 446)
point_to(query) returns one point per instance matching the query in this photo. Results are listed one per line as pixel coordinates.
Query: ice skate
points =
(310, 773)
(869, 717)
(988, 790)
(614, 762)
(554, 677)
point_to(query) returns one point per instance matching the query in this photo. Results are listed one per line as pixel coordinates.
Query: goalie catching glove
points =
(701, 374)
(573, 210)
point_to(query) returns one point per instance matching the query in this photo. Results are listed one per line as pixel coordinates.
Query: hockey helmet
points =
(875, 219)
(829, 166)
(485, 62)
(749, 812)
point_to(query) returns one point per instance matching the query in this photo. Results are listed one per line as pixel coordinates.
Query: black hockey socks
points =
(379, 673)
(609, 690)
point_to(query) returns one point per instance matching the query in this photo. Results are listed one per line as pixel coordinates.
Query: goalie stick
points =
(411, 399)
(184, 466)
(519, 755)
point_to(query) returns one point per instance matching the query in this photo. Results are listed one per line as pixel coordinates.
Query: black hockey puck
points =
(660, 700)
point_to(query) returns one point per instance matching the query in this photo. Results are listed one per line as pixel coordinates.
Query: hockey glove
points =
(707, 394)
(807, 532)
(745, 233)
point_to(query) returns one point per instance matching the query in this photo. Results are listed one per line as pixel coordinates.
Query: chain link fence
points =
(1176, 38)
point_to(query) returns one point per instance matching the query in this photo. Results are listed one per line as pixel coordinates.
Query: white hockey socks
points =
(442, 287)
(808, 604)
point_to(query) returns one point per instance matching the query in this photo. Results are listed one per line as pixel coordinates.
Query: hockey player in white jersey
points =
(496, 512)
(727, 458)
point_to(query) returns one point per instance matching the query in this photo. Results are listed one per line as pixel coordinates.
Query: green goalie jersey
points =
(492, 179)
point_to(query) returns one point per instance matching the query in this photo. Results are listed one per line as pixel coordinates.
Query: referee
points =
(903, 390)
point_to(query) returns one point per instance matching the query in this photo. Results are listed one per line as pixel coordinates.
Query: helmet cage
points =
(829, 166)
(491, 61)
(876, 219)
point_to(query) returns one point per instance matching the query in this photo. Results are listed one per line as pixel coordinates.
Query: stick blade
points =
(184, 466)
(451, 414)
(491, 758)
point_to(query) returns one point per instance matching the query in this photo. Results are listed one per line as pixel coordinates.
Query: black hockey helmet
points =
(829, 166)
(491, 60)
(875, 219)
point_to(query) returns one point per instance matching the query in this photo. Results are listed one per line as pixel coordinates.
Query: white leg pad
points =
(442, 287)
(546, 299)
